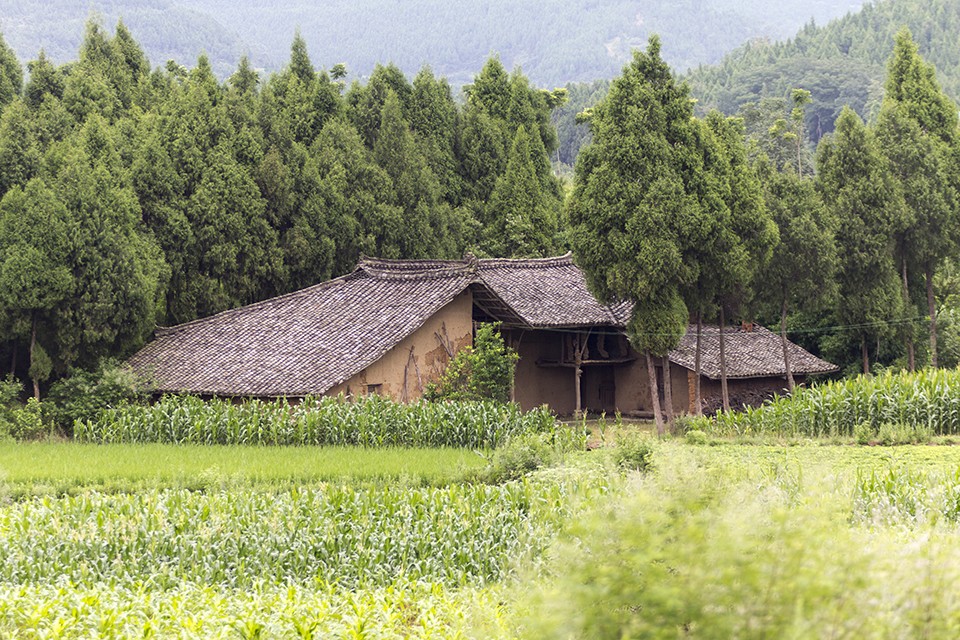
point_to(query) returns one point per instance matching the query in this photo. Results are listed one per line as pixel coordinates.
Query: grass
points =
(65, 467)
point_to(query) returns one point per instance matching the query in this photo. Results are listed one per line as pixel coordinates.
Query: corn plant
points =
(350, 536)
(925, 402)
(370, 422)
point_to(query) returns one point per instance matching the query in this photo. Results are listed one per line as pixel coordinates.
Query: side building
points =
(391, 326)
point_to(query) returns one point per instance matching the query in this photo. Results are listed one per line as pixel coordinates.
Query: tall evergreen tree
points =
(917, 132)
(19, 150)
(521, 220)
(633, 207)
(36, 274)
(45, 80)
(855, 183)
(11, 74)
(118, 271)
(802, 271)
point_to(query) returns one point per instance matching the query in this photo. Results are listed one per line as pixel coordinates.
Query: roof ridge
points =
(552, 261)
(412, 269)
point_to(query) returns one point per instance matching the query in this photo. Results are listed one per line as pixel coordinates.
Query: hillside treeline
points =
(134, 197)
(841, 63)
(555, 41)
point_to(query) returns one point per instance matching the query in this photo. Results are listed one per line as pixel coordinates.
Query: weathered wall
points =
(535, 385)
(420, 358)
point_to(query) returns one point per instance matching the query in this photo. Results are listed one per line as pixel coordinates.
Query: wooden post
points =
(577, 371)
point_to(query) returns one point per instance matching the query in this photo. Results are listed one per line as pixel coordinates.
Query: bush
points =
(28, 423)
(695, 436)
(528, 452)
(10, 390)
(634, 452)
(85, 394)
(481, 372)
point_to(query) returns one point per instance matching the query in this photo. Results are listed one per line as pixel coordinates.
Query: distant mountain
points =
(843, 62)
(555, 41)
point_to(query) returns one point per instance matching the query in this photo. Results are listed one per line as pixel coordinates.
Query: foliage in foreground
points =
(705, 548)
(924, 404)
(370, 421)
(483, 371)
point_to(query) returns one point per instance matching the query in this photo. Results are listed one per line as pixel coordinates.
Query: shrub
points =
(695, 436)
(85, 394)
(10, 390)
(481, 372)
(28, 422)
(634, 452)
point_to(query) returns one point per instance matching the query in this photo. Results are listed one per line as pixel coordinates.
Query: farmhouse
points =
(391, 326)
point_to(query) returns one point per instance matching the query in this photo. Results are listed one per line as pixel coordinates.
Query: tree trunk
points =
(932, 308)
(654, 393)
(697, 399)
(723, 363)
(911, 356)
(668, 389)
(33, 345)
(783, 341)
(13, 360)
(866, 356)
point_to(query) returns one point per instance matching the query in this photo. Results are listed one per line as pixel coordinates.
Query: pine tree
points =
(917, 133)
(631, 207)
(855, 184)
(520, 221)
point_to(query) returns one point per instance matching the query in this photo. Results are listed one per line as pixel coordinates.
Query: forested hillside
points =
(841, 63)
(555, 41)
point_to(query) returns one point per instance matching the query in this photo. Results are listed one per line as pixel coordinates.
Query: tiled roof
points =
(311, 340)
(549, 292)
(749, 354)
(302, 343)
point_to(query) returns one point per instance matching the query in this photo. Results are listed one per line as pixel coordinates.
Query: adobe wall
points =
(534, 385)
(633, 387)
(420, 358)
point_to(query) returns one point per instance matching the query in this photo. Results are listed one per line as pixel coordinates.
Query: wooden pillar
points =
(577, 372)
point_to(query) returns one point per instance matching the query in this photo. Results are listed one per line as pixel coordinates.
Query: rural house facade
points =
(391, 326)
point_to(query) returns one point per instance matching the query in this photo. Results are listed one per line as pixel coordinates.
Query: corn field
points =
(926, 402)
(402, 610)
(348, 536)
(368, 422)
